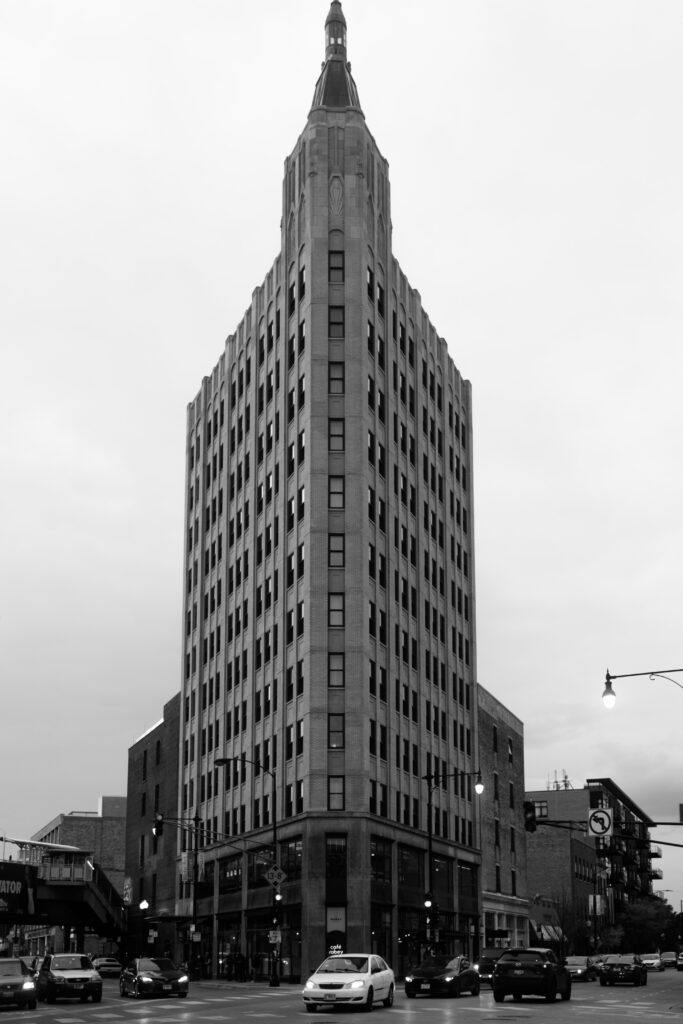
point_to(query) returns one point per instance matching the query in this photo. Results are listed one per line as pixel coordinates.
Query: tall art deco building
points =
(329, 641)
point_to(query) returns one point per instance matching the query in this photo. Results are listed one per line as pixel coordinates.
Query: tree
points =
(646, 925)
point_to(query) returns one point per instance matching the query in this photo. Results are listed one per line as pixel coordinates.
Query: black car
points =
(581, 968)
(530, 972)
(486, 963)
(623, 968)
(442, 976)
(153, 976)
(17, 984)
(68, 976)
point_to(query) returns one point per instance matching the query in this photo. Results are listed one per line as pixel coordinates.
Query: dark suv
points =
(486, 963)
(530, 972)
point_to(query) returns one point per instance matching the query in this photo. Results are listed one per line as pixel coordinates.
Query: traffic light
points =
(529, 816)
(158, 827)
(277, 902)
(428, 900)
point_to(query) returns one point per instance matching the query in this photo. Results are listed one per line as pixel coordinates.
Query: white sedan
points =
(350, 979)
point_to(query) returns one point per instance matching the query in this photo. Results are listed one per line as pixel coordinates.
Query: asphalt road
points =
(659, 1002)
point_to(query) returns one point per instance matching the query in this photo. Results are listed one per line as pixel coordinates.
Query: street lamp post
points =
(185, 824)
(433, 780)
(274, 980)
(608, 695)
(144, 907)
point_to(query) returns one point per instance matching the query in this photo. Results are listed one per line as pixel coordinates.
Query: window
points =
(335, 267)
(335, 550)
(335, 732)
(335, 609)
(335, 793)
(335, 670)
(335, 320)
(335, 492)
(335, 378)
(335, 435)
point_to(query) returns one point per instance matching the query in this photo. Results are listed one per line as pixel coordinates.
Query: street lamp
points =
(144, 907)
(609, 697)
(224, 762)
(433, 780)
(185, 824)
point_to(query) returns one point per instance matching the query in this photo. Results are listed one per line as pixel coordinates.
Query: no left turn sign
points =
(600, 822)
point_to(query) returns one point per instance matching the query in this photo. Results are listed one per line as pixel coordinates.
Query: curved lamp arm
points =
(609, 697)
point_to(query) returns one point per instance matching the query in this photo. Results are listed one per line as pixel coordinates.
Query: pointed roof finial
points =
(336, 89)
(335, 31)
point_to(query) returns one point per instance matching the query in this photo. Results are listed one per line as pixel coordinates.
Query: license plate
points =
(425, 985)
(77, 986)
(518, 972)
(7, 995)
(330, 996)
(167, 988)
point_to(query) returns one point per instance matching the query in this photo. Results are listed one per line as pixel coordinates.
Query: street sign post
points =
(275, 875)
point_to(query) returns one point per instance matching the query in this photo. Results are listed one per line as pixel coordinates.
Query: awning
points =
(549, 932)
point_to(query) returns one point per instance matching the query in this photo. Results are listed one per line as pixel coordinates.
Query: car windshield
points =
(344, 964)
(650, 956)
(524, 957)
(10, 967)
(160, 963)
(437, 961)
(577, 961)
(70, 963)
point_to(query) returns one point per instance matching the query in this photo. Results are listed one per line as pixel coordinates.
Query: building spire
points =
(335, 32)
(336, 89)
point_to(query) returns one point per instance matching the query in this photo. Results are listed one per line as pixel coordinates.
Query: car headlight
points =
(447, 978)
(183, 979)
(28, 985)
(409, 977)
(57, 978)
(310, 984)
(145, 977)
(358, 983)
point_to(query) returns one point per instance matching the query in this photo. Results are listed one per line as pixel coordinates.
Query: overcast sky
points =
(536, 162)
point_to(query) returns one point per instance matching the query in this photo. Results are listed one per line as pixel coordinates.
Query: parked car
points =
(17, 984)
(350, 979)
(442, 976)
(530, 972)
(486, 963)
(621, 968)
(669, 959)
(153, 976)
(107, 966)
(581, 968)
(68, 975)
(679, 962)
(652, 961)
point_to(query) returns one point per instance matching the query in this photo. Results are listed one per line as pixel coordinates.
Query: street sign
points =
(600, 822)
(275, 875)
(275, 936)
